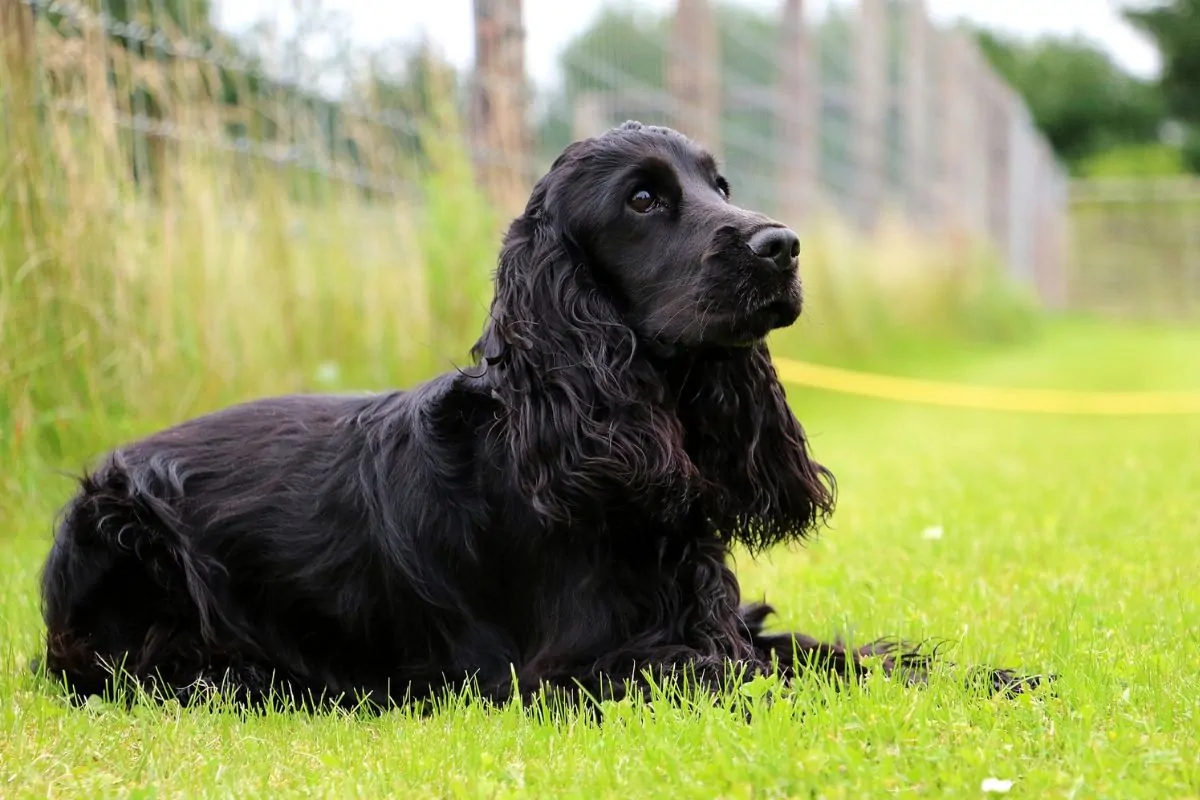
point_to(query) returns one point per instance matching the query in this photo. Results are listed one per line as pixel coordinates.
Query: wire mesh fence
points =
(866, 111)
(1135, 248)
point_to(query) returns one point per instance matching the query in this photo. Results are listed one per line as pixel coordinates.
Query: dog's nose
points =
(778, 245)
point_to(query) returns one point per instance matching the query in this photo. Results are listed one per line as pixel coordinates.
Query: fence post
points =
(870, 80)
(694, 73)
(915, 111)
(974, 109)
(1059, 239)
(997, 118)
(1023, 190)
(500, 135)
(798, 117)
(959, 154)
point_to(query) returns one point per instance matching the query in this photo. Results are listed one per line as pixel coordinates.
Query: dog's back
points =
(193, 553)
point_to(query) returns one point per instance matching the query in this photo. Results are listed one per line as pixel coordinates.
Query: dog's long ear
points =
(586, 416)
(762, 485)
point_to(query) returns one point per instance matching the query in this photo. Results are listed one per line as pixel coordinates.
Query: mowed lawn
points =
(1050, 543)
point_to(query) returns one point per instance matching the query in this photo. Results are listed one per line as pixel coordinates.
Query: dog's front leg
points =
(798, 653)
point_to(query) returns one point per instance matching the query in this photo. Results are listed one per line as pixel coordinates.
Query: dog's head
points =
(650, 214)
(630, 264)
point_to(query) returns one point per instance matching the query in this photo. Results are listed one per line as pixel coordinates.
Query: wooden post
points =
(870, 72)
(500, 134)
(959, 154)
(915, 111)
(997, 101)
(1059, 244)
(798, 118)
(1048, 267)
(694, 73)
(944, 137)
(973, 105)
(1022, 191)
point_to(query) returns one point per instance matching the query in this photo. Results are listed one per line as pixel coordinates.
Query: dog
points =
(559, 514)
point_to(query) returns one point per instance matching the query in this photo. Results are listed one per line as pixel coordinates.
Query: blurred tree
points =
(1079, 97)
(1175, 28)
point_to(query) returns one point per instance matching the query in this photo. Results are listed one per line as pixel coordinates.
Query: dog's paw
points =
(1007, 682)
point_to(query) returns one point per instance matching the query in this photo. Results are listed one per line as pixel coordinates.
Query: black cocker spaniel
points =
(557, 515)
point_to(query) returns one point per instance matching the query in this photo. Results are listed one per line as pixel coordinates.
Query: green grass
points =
(1069, 545)
(1147, 160)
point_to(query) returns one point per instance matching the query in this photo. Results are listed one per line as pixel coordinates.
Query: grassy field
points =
(1046, 543)
(1066, 544)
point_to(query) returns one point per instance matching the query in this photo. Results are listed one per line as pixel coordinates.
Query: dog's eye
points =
(723, 188)
(642, 200)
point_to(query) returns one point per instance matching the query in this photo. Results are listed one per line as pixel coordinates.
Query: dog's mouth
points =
(780, 313)
(779, 310)
(752, 326)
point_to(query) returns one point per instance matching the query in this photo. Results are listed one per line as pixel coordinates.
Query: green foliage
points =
(190, 18)
(1175, 28)
(1147, 160)
(1079, 97)
(1191, 151)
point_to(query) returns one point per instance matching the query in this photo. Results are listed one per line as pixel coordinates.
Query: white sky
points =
(549, 26)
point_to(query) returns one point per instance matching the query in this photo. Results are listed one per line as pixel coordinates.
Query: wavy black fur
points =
(561, 513)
